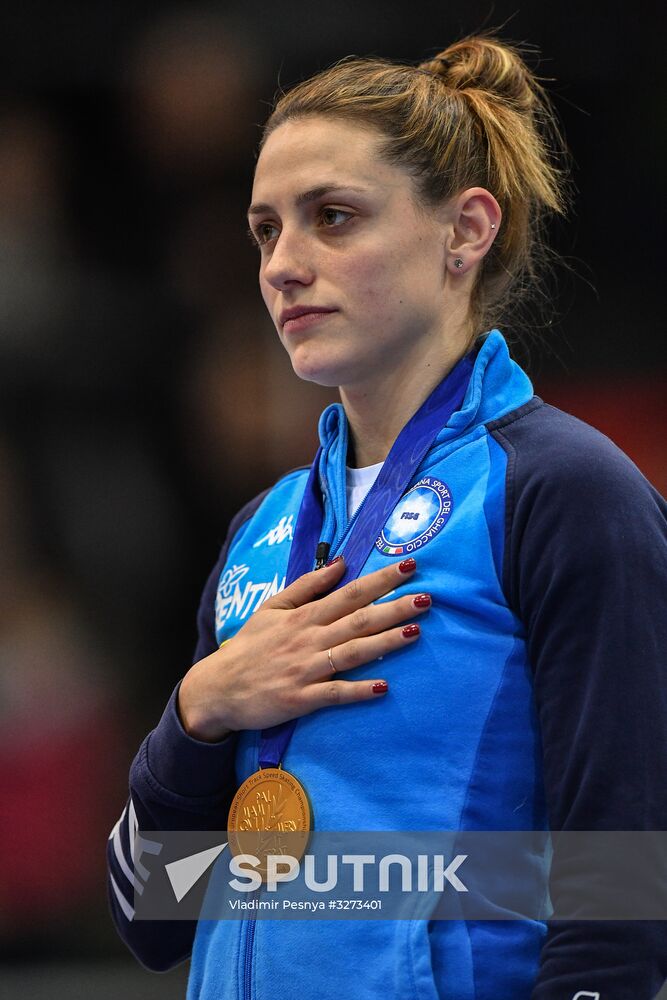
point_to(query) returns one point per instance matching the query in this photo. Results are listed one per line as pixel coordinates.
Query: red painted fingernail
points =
(407, 566)
(334, 560)
(380, 687)
(423, 601)
(410, 631)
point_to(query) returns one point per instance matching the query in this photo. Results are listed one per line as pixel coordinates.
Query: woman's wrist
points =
(195, 715)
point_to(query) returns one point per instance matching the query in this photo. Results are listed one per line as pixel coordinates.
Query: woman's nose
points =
(289, 262)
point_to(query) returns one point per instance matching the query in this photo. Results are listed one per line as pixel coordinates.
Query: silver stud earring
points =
(493, 225)
(458, 262)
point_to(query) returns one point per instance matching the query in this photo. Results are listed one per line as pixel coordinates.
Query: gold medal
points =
(270, 814)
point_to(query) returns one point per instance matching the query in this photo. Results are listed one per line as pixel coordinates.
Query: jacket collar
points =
(497, 386)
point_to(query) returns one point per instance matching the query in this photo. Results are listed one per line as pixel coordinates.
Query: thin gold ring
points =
(331, 662)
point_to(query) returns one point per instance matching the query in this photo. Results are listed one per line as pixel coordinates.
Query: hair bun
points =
(485, 63)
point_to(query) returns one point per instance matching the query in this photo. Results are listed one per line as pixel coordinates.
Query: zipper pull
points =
(322, 554)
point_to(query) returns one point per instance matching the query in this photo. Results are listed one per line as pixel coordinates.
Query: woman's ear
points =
(475, 217)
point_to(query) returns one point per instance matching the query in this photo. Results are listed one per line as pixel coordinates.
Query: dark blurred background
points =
(144, 396)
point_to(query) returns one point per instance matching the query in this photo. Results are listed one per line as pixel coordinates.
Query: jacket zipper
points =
(249, 924)
(247, 959)
(351, 522)
(350, 525)
(250, 929)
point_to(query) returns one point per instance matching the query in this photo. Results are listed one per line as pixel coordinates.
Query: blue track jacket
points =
(536, 698)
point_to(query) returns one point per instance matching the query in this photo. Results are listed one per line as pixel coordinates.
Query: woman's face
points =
(340, 231)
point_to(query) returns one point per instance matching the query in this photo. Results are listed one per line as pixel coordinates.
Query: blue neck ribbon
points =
(405, 457)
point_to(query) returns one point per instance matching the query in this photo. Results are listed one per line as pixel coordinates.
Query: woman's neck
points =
(377, 412)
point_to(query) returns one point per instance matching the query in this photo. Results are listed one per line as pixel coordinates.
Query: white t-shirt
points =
(358, 484)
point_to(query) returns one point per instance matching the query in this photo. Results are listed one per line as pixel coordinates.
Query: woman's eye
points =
(332, 217)
(264, 233)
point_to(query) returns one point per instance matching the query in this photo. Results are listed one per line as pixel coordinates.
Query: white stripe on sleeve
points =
(124, 905)
(133, 826)
(124, 867)
(118, 822)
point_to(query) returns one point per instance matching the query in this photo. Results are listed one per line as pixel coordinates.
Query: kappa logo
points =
(275, 536)
(417, 518)
(238, 597)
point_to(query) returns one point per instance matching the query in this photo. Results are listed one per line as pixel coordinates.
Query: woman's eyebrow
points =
(307, 196)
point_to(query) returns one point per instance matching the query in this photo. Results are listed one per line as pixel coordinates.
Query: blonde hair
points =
(474, 115)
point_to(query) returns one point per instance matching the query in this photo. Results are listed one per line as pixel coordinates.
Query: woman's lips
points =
(305, 321)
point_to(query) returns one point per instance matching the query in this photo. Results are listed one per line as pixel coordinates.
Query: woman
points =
(397, 210)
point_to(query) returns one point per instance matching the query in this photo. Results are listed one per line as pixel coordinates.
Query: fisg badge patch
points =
(417, 518)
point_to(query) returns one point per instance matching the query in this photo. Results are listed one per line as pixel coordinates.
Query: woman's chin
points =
(318, 370)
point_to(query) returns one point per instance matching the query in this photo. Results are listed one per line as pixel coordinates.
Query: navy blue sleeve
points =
(176, 783)
(585, 570)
